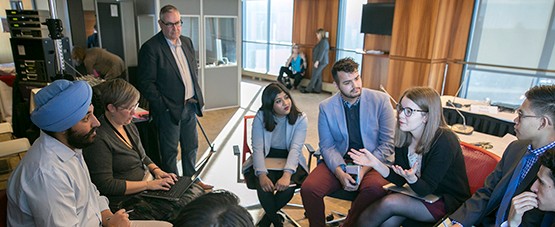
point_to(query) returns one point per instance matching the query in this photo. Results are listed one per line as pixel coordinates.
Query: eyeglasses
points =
(521, 115)
(131, 108)
(407, 110)
(169, 24)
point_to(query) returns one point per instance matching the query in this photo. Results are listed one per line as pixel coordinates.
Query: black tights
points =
(393, 209)
(271, 202)
(297, 76)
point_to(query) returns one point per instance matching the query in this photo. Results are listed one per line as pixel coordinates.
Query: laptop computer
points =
(430, 198)
(180, 187)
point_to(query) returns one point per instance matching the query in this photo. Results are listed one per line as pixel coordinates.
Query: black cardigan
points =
(443, 171)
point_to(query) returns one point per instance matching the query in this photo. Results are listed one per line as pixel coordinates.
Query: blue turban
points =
(61, 105)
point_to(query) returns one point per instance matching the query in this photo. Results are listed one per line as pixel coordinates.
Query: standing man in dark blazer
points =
(168, 78)
(516, 172)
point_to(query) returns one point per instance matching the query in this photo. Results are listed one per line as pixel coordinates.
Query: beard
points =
(350, 94)
(80, 141)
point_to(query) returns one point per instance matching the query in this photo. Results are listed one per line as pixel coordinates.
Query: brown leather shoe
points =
(204, 186)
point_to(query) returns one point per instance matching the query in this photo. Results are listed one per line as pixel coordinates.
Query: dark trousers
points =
(297, 76)
(321, 182)
(273, 202)
(184, 132)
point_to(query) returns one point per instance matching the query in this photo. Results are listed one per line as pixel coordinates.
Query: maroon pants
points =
(321, 182)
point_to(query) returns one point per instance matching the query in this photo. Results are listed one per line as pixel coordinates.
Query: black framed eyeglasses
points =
(521, 115)
(169, 24)
(131, 108)
(407, 110)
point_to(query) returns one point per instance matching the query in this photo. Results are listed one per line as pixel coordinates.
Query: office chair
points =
(479, 163)
(246, 153)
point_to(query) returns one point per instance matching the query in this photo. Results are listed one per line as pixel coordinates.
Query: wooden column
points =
(309, 15)
(426, 34)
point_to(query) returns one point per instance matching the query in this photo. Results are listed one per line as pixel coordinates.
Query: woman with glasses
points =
(428, 158)
(278, 131)
(117, 162)
(294, 68)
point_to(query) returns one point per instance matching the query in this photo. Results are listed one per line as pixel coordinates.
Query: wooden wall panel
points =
(413, 28)
(427, 34)
(459, 44)
(309, 15)
(374, 70)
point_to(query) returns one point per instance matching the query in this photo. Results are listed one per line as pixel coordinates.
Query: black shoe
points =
(304, 91)
(265, 221)
(316, 92)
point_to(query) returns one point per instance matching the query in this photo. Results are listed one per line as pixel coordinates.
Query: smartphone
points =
(354, 171)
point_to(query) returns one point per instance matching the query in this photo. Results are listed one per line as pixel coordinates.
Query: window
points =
(267, 34)
(349, 39)
(516, 39)
(220, 41)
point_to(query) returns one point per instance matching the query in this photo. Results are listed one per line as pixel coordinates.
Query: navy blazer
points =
(160, 81)
(482, 207)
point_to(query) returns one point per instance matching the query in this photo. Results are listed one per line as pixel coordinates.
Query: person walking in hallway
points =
(321, 59)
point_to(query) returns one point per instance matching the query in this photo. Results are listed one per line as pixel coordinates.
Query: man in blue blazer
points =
(517, 169)
(541, 195)
(168, 80)
(354, 118)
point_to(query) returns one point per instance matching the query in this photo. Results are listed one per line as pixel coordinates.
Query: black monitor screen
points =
(377, 18)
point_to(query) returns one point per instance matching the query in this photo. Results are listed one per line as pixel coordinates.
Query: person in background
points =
(168, 79)
(354, 118)
(294, 68)
(517, 169)
(99, 62)
(428, 157)
(320, 58)
(278, 131)
(51, 185)
(118, 164)
(541, 195)
(218, 208)
(92, 40)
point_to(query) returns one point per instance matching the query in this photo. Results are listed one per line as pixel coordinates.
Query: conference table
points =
(498, 143)
(495, 123)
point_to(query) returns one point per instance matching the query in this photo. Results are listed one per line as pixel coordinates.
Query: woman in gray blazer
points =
(278, 131)
(321, 59)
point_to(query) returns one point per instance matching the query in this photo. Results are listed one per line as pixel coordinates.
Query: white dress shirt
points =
(51, 186)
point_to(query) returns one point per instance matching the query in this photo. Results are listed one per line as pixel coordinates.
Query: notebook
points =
(431, 198)
(180, 187)
(275, 163)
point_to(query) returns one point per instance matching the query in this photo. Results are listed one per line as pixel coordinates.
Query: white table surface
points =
(499, 143)
(504, 116)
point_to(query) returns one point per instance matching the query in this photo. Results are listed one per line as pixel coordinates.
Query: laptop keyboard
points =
(176, 191)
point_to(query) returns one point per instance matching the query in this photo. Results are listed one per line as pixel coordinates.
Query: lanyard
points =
(133, 145)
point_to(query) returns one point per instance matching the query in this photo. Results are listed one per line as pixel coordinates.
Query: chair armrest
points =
(236, 150)
(310, 148)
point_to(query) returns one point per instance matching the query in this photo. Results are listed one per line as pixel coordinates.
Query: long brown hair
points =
(428, 100)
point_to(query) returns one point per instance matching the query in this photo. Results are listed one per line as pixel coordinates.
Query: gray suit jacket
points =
(482, 207)
(320, 52)
(159, 78)
(377, 123)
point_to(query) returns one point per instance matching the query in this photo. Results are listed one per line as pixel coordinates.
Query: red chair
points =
(479, 164)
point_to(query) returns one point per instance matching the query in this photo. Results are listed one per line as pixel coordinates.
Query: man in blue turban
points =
(51, 185)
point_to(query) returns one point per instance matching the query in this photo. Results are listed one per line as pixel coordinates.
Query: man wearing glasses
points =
(354, 118)
(168, 78)
(516, 172)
